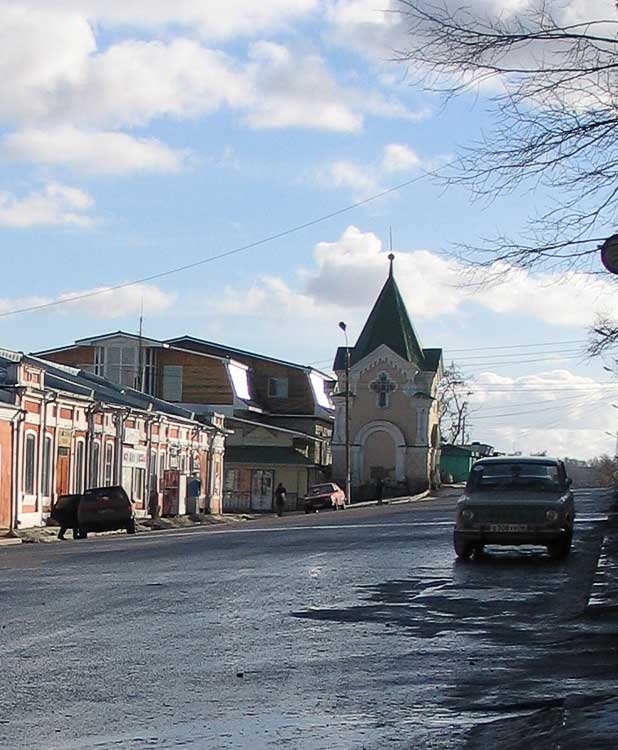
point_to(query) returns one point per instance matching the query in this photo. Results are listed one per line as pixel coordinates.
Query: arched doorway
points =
(379, 457)
(387, 449)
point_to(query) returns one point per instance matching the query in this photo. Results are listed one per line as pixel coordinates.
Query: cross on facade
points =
(382, 386)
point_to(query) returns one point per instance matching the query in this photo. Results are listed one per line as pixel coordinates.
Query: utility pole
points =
(348, 482)
(140, 353)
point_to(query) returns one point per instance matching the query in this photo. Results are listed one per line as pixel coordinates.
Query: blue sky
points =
(141, 135)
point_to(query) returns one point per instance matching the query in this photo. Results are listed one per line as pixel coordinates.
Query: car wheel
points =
(463, 550)
(82, 534)
(307, 511)
(131, 527)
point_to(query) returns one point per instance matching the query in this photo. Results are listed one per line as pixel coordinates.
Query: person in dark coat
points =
(280, 494)
(64, 512)
(379, 490)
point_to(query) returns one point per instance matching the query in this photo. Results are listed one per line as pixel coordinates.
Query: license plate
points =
(506, 527)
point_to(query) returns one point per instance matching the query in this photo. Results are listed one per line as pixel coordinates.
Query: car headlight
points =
(551, 515)
(467, 514)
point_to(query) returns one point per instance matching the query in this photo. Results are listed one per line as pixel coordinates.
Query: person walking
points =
(280, 494)
(379, 490)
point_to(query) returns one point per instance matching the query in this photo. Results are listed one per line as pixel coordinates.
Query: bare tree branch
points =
(553, 85)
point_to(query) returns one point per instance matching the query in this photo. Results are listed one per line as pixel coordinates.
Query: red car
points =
(323, 496)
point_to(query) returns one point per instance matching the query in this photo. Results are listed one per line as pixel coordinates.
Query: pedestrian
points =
(280, 494)
(64, 512)
(379, 490)
(64, 529)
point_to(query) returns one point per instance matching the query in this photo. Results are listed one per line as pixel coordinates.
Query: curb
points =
(603, 598)
(10, 541)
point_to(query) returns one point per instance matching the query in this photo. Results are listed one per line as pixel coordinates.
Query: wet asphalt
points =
(332, 631)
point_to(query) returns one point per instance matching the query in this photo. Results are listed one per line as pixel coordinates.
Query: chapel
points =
(393, 409)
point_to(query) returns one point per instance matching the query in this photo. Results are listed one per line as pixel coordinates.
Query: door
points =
(62, 472)
(262, 489)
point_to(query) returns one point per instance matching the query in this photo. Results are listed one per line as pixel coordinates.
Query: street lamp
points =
(348, 482)
(614, 435)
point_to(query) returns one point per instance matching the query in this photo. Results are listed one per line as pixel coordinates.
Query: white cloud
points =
(54, 204)
(213, 19)
(93, 152)
(372, 29)
(350, 176)
(104, 303)
(295, 90)
(64, 80)
(400, 158)
(432, 286)
(559, 411)
(366, 179)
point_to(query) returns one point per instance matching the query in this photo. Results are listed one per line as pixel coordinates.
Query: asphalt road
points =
(339, 630)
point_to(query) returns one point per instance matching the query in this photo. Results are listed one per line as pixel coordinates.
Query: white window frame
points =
(95, 466)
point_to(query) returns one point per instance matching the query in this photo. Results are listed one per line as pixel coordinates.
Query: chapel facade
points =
(393, 410)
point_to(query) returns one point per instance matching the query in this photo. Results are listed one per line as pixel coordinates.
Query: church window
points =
(382, 386)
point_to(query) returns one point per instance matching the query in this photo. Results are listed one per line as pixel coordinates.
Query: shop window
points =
(94, 465)
(47, 466)
(139, 477)
(161, 471)
(29, 464)
(79, 466)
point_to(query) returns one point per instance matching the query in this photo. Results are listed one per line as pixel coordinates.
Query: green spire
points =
(389, 324)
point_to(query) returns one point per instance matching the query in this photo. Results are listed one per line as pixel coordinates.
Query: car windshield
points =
(515, 476)
(320, 489)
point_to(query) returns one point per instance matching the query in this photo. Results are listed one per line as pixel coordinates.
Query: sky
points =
(143, 135)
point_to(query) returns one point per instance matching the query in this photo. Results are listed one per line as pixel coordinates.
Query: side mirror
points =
(569, 481)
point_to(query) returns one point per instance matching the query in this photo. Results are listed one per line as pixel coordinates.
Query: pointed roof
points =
(389, 324)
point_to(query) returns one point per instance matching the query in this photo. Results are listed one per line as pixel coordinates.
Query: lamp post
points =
(348, 483)
(615, 436)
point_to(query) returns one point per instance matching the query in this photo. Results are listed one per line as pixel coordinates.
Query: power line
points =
(518, 346)
(218, 256)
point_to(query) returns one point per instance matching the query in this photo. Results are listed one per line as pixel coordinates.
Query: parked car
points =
(322, 496)
(98, 509)
(511, 501)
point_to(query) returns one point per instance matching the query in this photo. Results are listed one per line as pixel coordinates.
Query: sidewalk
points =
(49, 534)
(603, 600)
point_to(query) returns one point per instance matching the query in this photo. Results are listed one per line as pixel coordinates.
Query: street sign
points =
(609, 253)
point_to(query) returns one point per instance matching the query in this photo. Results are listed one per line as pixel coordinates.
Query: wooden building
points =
(281, 408)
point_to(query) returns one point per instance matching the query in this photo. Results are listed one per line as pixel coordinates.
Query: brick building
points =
(63, 430)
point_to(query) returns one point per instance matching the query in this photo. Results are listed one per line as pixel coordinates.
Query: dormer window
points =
(278, 387)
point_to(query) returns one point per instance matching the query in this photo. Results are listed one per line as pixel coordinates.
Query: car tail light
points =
(551, 515)
(467, 514)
